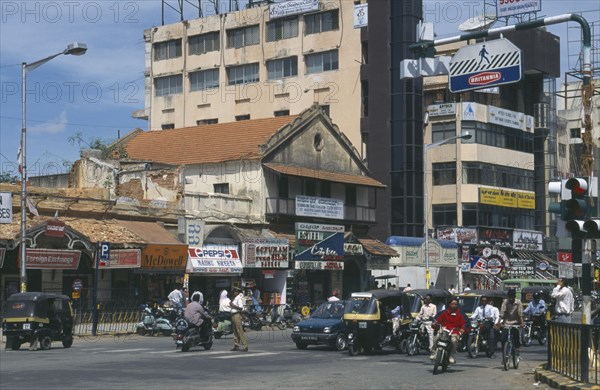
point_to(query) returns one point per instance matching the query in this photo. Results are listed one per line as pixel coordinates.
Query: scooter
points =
(535, 328)
(153, 323)
(287, 319)
(188, 336)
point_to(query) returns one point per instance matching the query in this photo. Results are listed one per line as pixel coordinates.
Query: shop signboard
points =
(507, 198)
(528, 240)
(320, 265)
(316, 242)
(123, 258)
(55, 228)
(164, 257)
(313, 206)
(214, 259)
(415, 255)
(6, 212)
(292, 7)
(441, 109)
(52, 259)
(353, 249)
(265, 252)
(521, 267)
(458, 235)
(361, 15)
(495, 236)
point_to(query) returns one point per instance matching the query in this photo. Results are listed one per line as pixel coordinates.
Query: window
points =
(444, 214)
(497, 175)
(282, 187)
(200, 44)
(282, 113)
(326, 189)
(242, 74)
(442, 131)
(322, 62)
(221, 188)
(168, 85)
(575, 132)
(166, 50)
(242, 117)
(205, 79)
(285, 67)
(211, 121)
(444, 173)
(241, 37)
(350, 199)
(167, 126)
(310, 187)
(321, 22)
(282, 29)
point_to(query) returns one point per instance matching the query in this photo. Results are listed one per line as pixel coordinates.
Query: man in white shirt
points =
(176, 298)
(491, 314)
(427, 314)
(239, 335)
(563, 307)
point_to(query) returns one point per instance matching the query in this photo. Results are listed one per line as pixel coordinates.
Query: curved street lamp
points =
(75, 49)
(426, 148)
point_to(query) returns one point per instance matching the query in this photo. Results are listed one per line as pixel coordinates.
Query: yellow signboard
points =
(507, 198)
(172, 257)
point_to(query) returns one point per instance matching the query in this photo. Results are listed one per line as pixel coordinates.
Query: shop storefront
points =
(266, 263)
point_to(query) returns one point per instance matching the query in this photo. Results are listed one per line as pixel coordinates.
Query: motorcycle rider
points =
(195, 314)
(485, 312)
(454, 321)
(427, 314)
(537, 309)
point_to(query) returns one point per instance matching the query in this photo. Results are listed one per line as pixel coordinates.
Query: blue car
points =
(324, 327)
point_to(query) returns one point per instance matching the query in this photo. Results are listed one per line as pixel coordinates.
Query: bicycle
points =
(509, 351)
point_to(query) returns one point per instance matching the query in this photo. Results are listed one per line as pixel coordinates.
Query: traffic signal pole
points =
(427, 49)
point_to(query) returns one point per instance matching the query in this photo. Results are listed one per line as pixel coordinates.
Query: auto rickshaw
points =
(439, 297)
(38, 318)
(469, 300)
(369, 318)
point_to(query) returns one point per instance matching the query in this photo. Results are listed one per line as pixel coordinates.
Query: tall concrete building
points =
(265, 61)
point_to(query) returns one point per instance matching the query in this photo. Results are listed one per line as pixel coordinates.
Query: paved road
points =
(134, 362)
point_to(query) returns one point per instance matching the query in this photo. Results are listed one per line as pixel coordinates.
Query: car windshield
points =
(362, 305)
(329, 310)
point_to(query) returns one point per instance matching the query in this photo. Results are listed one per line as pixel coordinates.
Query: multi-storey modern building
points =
(261, 62)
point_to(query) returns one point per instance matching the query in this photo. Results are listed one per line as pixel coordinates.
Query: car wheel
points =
(300, 345)
(45, 343)
(341, 342)
(67, 341)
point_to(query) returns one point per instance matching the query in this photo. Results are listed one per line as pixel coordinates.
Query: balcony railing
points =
(282, 206)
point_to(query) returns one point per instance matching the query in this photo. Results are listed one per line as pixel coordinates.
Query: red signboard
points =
(565, 257)
(123, 258)
(52, 259)
(55, 229)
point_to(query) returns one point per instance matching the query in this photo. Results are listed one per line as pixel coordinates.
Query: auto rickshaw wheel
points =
(13, 342)
(67, 341)
(368, 350)
(45, 343)
(353, 349)
(301, 345)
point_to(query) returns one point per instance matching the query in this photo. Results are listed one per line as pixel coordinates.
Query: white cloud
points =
(53, 127)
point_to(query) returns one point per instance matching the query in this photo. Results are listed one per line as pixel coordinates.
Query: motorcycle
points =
(255, 320)
(288, 318)
(418, 338)
(535, 328)
(479, 338)
(188, 336)
(153, 322)
(442, 357)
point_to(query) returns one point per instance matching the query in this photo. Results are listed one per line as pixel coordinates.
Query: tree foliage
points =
(109, 151)
(7, 177)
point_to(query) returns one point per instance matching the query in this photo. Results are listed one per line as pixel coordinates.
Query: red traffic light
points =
(578, 186)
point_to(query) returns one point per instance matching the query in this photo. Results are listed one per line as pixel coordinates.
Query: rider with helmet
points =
(537, 309)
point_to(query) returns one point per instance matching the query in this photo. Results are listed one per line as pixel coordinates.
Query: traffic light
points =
(577, 206)
(555, 187)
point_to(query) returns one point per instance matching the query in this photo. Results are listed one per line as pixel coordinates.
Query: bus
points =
(518, 284)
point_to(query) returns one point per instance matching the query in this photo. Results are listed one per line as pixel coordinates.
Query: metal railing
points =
(573, 351)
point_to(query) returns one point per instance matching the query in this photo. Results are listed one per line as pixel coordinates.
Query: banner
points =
(507, 198)
(319, 242)
(51, 259)
(361, 15)
(521, 268)
(527, 240)
(266, 252)
(312, 206)
(213, 258)
(495, 236)
(458, 235)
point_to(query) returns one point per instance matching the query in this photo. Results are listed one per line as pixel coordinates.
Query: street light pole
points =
(73, 49)
(426, 148)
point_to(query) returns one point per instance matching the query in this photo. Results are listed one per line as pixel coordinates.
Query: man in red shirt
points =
(453, 320)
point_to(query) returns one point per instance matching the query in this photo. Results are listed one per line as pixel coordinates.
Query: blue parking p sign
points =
(105, 251)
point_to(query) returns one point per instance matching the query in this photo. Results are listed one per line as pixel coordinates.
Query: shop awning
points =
(376, 247)
(317, 174)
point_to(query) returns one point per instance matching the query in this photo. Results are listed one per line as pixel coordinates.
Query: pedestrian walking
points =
(239, 335)
(564, 302)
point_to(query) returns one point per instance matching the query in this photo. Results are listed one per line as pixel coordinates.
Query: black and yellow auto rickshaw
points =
(369, 318)
(38, 318)
(469, 300)
(439, 297)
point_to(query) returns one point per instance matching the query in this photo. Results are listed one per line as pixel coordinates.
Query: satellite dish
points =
(478, 22)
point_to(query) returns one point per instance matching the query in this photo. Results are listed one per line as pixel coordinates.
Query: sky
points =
(94, 95)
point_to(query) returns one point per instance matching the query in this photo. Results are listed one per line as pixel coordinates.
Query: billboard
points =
(265, 252)
(316, 242)
(505, 8)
